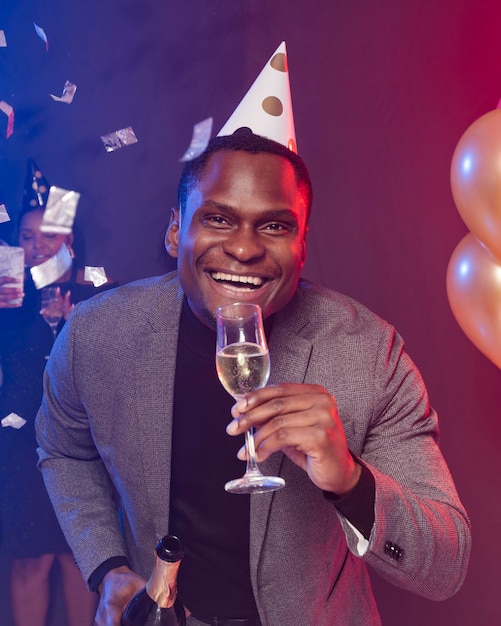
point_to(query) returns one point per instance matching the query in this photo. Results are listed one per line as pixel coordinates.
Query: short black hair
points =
(26, 210)
(244, 139)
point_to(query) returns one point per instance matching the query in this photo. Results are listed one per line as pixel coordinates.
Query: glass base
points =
(254, 483)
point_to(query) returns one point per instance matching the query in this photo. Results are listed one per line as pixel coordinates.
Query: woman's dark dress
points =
(28, 526)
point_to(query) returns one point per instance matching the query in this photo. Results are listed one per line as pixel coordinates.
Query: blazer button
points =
(393, 551)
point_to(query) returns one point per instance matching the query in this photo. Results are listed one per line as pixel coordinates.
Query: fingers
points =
(10, 295)
(62, 304)
(309, 428)
(12, 302)
(302, 418)
(67, 305)
(303, 422)
(8, 279)
(118, 587)
(302, 405)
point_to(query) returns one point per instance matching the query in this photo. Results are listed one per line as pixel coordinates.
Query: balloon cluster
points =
(474, 271)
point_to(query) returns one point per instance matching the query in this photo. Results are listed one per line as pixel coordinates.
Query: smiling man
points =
(239, 234)
(135, 441)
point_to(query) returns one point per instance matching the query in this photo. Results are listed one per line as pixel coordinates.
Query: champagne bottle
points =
(154, 605)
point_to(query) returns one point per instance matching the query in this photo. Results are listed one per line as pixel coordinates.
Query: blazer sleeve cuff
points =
(100, 572)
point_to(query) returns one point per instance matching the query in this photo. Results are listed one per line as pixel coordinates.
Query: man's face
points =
(242, 234)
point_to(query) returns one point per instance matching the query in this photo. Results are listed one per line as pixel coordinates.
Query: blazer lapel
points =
(289, 356)
(155, 371)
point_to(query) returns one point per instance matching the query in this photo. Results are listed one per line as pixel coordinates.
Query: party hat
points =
(36, 188)
(267, 107)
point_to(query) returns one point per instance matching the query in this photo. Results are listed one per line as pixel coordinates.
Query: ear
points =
(68, 243)
(304, 246)
(172, 234)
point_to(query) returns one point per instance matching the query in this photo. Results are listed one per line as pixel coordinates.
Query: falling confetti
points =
(119, 139)
(9, 112)
(60, 211)
(14, 420)
(200, 139)
(68, 93)
(96, 275)
(41, 33)
(4, 216)
(49, 271)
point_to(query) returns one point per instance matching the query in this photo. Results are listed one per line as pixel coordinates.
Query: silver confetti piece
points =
(119, 139)
(48, 272)
(14, 420)
(60, 211)
(41, 33)
(200, 138)
(4, 216)
(9, 112)
(68, 93)
(96, 275)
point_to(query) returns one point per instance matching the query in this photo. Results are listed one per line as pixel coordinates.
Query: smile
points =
(253, 282)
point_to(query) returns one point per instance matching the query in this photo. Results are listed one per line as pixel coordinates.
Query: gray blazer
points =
(104, 431)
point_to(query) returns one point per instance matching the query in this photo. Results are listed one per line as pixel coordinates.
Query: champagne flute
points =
(51, 309)
(243, 364)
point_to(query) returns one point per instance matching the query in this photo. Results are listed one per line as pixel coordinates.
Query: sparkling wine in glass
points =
(51, 309)
(243, 365)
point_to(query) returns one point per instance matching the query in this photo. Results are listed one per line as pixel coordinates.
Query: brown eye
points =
(277, 228)
(216, 221)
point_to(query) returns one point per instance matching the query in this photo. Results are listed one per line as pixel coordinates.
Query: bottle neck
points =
(162, 586)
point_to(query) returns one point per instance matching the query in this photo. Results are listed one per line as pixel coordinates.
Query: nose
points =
(37, 241)
(244, 245)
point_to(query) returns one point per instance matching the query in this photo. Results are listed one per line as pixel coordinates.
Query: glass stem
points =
(252, 467)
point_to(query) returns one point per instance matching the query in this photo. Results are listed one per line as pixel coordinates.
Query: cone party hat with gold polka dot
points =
(267, 107)
(36, 188)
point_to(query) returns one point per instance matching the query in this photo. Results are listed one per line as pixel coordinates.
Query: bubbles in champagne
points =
(243, 367)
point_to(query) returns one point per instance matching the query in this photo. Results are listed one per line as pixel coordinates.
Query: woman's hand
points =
(11, 292)
(66, 305)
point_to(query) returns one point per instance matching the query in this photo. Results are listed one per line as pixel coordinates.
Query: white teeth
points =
(246, 280)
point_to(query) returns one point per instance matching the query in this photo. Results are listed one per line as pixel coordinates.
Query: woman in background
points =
(31, 533)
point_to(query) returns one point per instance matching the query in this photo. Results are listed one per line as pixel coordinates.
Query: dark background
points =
(382, 92)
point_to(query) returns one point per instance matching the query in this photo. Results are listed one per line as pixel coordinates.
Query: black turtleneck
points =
(212, 524)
